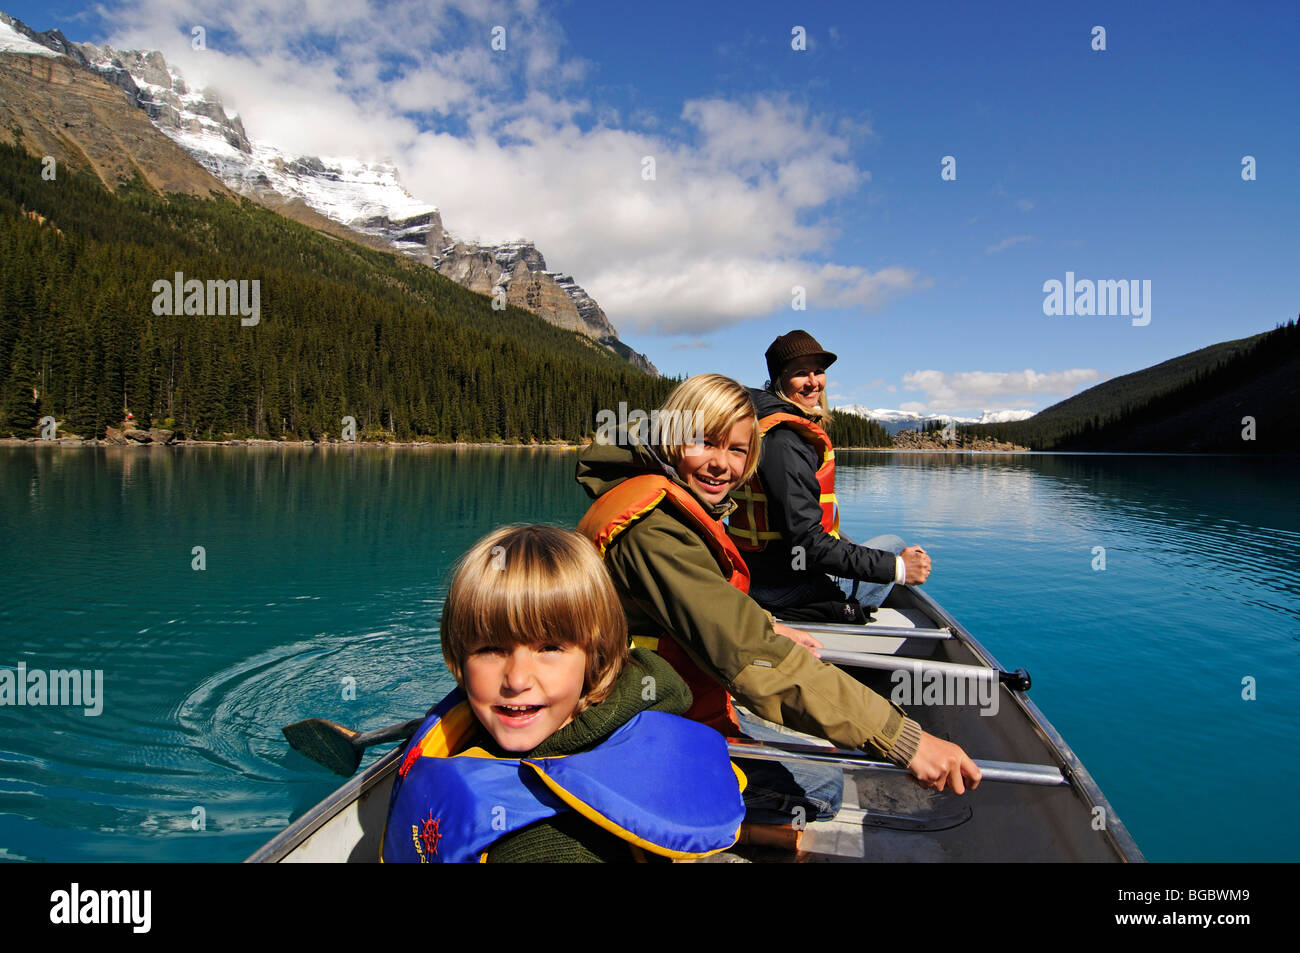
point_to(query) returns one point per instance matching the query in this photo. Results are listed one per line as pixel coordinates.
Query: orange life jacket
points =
(616, 510)
(749, 524)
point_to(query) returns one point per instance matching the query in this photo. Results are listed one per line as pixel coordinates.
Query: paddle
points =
(1017, 681)
(852, 760)
(884, 631)
(339, 749)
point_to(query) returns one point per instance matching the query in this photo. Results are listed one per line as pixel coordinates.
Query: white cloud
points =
(507, 146)
(993, 390)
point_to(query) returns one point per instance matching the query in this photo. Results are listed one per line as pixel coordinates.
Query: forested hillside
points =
(342, 330)
(853, 430)
(1236, 397)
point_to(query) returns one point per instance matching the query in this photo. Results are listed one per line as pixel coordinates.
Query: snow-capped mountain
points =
(895, 421)
(366, 197)
(13, 41)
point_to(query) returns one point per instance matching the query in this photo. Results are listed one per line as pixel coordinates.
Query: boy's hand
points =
(938, 763)
(798, 636)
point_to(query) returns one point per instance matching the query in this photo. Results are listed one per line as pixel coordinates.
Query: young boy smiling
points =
(559, 745)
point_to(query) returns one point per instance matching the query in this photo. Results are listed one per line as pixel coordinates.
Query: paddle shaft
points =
(887, 631)
(1017, 681)
(392, 733)
(1010, 771)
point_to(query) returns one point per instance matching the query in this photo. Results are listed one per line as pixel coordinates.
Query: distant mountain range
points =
(896, 421)
(366, 198)
(1235, 397)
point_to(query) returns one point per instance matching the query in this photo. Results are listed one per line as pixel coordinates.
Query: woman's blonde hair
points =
(536, 585)
(707, 406)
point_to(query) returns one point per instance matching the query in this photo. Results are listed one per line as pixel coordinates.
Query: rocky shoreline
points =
(160, 437)
(914, 440)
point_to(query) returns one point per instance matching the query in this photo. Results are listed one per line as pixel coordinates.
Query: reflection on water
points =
(326, 569)
(1143, 665)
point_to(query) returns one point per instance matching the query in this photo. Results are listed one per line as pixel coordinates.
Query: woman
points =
(787, 517)
(682, 582)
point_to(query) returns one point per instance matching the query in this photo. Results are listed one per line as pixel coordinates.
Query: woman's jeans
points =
(821, 588)
(871, 593)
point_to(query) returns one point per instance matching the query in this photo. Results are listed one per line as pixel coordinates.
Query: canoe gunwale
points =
(293, 836)
(1081, 780)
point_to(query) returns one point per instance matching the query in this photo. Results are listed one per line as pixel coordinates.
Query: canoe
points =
(886, 816)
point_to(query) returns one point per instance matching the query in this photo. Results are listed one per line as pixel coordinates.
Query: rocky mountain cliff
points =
(82, 122)
(365, 198)
(518, 269)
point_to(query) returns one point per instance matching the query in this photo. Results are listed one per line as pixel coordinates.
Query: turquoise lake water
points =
(326, 569)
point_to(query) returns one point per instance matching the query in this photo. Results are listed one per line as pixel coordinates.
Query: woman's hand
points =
(938, 764)
(798, 636)
(916, 563)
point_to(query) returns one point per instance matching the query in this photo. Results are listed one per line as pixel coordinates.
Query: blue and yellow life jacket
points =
(659, 782)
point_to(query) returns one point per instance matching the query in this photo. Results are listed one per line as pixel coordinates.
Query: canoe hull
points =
(346, 827)
(886, 817)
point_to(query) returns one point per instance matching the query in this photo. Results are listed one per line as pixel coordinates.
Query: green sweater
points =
(570, 837)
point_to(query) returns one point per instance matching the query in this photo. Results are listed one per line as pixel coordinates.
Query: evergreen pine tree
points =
(22, 407)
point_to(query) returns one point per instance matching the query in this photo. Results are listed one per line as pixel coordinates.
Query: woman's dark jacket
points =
(788, 471)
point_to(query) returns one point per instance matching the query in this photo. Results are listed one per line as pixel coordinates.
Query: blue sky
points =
(816, 167)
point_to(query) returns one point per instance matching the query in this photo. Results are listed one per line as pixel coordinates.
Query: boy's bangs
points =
(718, 430)
(520, 611)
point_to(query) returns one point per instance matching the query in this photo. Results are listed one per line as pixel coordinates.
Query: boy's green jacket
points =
(669, 582)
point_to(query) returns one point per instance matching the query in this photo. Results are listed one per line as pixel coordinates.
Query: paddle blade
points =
(325, 743)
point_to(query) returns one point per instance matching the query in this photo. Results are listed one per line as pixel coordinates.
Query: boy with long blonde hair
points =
(656, 519)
